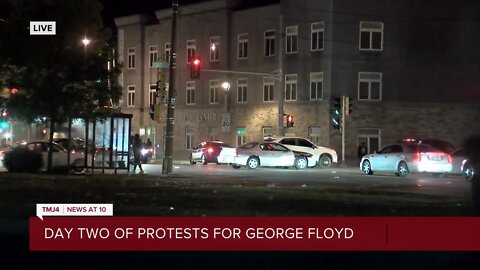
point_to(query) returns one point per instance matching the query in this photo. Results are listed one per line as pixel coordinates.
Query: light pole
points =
(85, 42)
(226, 88)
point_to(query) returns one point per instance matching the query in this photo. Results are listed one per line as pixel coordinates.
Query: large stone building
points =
(412, 70)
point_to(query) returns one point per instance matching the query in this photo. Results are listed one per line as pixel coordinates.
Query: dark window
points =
(397, 149)
(304, 143)
(288, 141)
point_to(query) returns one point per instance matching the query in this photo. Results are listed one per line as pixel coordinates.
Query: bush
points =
(22, 160)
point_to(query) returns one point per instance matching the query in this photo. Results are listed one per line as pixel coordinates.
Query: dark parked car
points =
(207, 152)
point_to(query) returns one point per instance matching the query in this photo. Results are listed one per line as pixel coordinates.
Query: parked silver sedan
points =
(269, 154)
(404, 158)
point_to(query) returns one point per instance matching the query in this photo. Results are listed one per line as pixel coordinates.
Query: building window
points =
(213, 93)
(314, 135)
(369, 86)
(241, 136)
(131, 96)
(291, 87)
(292, 39)
(370, 137)
(131, 58)
(188, 138)
(213, 134)
(190, 93)
(214, 49)
(168, 49)
(153, 56)
(267, 132)
(317, 36)
(268, 90)
(316, 85)
(242, 90)
(269, 43)
(371, 36)
(153, 94)
(191, 50)
(243, 46)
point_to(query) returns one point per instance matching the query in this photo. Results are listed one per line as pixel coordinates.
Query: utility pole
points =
(281, 97)
(167, 166)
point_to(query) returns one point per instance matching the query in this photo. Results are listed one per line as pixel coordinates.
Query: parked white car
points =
(268, 154)
(59, 155)
(323, 156)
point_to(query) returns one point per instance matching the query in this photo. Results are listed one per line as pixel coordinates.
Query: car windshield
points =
(423, 148)
(221, 144)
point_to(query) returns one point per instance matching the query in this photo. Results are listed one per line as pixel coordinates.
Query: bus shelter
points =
(105, 141)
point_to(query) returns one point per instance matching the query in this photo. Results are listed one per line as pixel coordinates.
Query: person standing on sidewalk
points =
(362, 151)
(137, 153)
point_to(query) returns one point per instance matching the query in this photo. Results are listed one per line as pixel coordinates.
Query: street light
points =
(86, 41)
(226, 88)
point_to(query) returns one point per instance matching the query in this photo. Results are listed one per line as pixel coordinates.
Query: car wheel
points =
(253, 162)
(78, 165)
(367, 168)
(402, 169)
(468, 173)
(301, 163)
(324, 161)
(192, 161)
(236, 166)
(204, 160)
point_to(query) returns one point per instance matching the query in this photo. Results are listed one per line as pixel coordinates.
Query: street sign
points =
(160, 64)
(225, 122)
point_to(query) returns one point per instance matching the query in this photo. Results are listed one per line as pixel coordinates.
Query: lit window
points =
(214, 49)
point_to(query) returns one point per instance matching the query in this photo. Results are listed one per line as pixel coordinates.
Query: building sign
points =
(200, 117)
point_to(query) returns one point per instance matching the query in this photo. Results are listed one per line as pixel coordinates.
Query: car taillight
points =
(210, 150)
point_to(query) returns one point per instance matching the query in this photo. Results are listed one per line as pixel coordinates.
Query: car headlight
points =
(144, 151)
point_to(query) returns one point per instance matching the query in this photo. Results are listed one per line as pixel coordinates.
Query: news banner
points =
(92, 227)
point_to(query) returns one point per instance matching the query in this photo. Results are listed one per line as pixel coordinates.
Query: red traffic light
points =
(14, 91)
(195, 68)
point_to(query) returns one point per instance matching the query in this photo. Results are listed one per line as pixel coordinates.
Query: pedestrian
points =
(137, 153)
(149, 143)
(362, 151)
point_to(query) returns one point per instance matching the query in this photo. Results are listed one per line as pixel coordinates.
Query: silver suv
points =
(323, 156)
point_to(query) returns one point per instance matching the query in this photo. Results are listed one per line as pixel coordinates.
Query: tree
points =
(58, 77)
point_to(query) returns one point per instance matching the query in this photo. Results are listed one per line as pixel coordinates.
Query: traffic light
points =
(152, 112)
(4, 123)
(290, 120)
(195, 67)
(348, 105)
(336, 117)
(13, 91)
